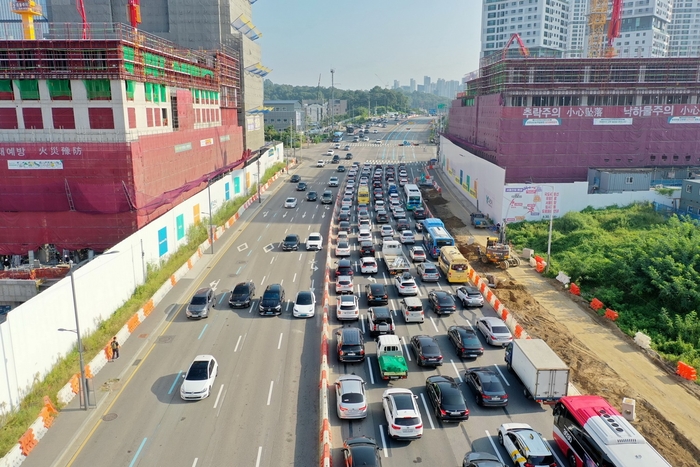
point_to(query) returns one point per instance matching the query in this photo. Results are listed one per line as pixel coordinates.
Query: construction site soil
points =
(590, 373)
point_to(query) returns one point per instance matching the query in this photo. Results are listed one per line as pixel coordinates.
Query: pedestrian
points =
(115, 348)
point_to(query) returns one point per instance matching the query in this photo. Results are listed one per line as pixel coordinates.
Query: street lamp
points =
(83, 389)
(211, 232)
(257, 179)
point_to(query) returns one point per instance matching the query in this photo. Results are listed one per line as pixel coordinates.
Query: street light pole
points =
(259, 200)
(549, 239)
(211, 232)
(83, 388)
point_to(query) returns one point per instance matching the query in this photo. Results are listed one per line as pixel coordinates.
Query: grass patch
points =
(16, 423)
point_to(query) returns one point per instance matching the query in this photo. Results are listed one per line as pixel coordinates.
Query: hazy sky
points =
(368, 42)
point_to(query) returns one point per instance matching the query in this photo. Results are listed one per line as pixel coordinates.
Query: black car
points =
(295, 179)
(441, 302)
(481, 459)
(351, 345)
(381, 321)
(344, 226)
(419, 213)
(382, 217)
(311, 196)
(341, 168)
(290, 242)
(272, 300)
(487, 387)
(376, 294)
(465, 340)
(301, 186)
(336, 159)
(447, 399)
(419, 226)
(361, 452)
(366, 249)
(402, 224)
(348, 156)
(242, 295)
(426, 350)
(344, 268)
(343, 216)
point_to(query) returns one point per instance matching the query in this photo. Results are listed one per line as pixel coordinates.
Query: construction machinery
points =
(498, 253)
(523, 50)
(27, 9)
(600, 44)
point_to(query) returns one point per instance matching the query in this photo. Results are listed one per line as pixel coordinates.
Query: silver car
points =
(470, 296)
(343, 284)
(351, 401)
(494, 330)
(200, 304)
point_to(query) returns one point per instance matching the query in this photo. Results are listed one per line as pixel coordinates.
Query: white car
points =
(470, 296)
(314, 241)
(428, 272)
(333, 181)
(494, 330)
(387, 231)
(290, 203)
(405, 284)
(368, 265)
(379, 141)
(347, 307)
(351, 401)
(399, 213)
(378, 204)
(402, 414)
(350, 184)
(343, 284)
(330, 152)
(366, 138)
(374, 131)
(364, 236)
(304, 305)
(407, 236)
(199, 379)
(336, 146)
(342, 249)
(346, 201)
(321, 163)
(363, 224)
(342, 236)
(527, 448)
(417, 254)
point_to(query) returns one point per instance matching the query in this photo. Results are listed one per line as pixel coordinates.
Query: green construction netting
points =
(98, 89)
(191, 69)
(163, 93)
(128, 53)
(156, 92)
(129, 67)
(28, 89)
(130, 88)
(6, 85)
(148, 87)
(59, 88)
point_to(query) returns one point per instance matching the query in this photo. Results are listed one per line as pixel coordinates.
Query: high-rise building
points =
(578, 25)
(427, 88)
(396, 84)
(644, 31)
(684, 30)
(412, 86)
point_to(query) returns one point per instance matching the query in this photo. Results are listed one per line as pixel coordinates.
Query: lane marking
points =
(177, 378)
(300, 254)
(202, 333)
(222, 298)
(408, 355)
(249, 252)
(503, 377)
(136, 456)
(263, 280)
(279, 344)
(218, 396)
(295, 277)
(257, 462)
(456, 370)
(493, 445)
(269, 394)
(195, 462)
(385, 447)
(218, 412)
(434, 325)
(272, 260)
(427, 412)
(237, 342)
(369, 368)
(362, 324)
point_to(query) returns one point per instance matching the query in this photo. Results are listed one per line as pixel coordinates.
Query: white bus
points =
(413, 197)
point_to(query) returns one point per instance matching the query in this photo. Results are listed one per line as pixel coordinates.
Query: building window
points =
(688, 188)
(98, 89)
(6, 91)
(59, 89)
(130, 88)
(28, 89)
(690, 210)
(629, 180)
(131, 115)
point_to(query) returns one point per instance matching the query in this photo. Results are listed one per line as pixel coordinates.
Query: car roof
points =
(204, 291)
(381, 311)
(471, 289)
(351, 335)
(377, 286)
(531, 439)
(243, 286)
(304, 293)
(368, 259)
(425, 339)
(351, 383)
(344, 263)
(203, 358)
(274, 288)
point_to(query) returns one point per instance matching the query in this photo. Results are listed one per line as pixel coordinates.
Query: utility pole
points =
(259, 199)
(332, 97)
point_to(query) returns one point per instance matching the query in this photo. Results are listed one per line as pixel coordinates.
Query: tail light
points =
(418, 427)
(484, 396)
(343, 409)
(395, 427)
(443, 412)
(362, 352)
(364, 407)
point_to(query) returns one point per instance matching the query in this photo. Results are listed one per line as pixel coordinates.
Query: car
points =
(366, 138)
(481, 459)
(465, 341)
(361, 451)
(327, 197)
(333, 181)
(366, 249)
(407, 236)
(347, 307)
(447, 399)
(336, 146)
(200, 304)
(304, 305)
(290, 203)
(346, 148)
(527, 448)
(380, 321)
(364, 236)
(199, 378)
(344, 226)
(336, 159)
(381, 217)
(405, 284)
(378, 141)
(399, 213)
(402, 414)
(348, 156)
(441, 302)
(351, 401)
(343, 268)
(417, 254)
(426, 350)
(419, 226)
(380, 205)
(341, 168)
(427, 271)
(342, 249)
(343, 284)
(320, 163)
(350, 345)
(346, 201)
(494, 331)
(314, 241)
(402, 224)
(376, 294)
(295, 179)
(368, 265)
(242, 295)
(290, 242)
(403, 181)
(419, 213)
(343, 216)
(272, 300)
(363, 219)
(301, 186)
(487, 387)
(311, 196)
(330, 152)
(386, 231)
(470, 296)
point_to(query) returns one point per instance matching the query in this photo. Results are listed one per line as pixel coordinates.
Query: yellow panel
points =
(195, 212)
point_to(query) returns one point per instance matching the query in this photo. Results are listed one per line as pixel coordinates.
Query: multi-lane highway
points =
(263, 410)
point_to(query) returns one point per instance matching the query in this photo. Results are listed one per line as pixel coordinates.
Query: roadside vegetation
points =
(13, 425)
(637, 262)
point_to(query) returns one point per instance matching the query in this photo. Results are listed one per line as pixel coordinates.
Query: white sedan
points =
(417, 254)
(290, 203)
(364, 236)
(199, 379)
(342, 249)
(304, 305)
(368, 265)
(405, 284)
(407, 236)
(386, 231)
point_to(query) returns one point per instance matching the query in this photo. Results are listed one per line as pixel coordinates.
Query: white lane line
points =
(295, 277)
(439, 286)
(495, 449)
(269, 394)
(369, 368)
(385, 448)
(288, 305)
(195, 462)
(223, 398)
(272, 260)
(218, 396)
(300, 256)
(263, 280)
(362, 324)
(279, 344)
(237, 342)
(257, 462)
(456, 370)
(408, 354)
(420, 293)
(427, 412)
(434, 325)
(502, 377)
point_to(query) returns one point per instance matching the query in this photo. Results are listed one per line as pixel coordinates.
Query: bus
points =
(435, 238)
(453, 265)
(363, 195)
(590, 432)
(413, 196)
(350, 129)
(432, 222)
(338, 136)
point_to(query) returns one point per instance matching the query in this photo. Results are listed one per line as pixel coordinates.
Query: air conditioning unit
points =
(658, 186)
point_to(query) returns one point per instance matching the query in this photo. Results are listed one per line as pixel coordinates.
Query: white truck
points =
(396, 262)
(544, 375)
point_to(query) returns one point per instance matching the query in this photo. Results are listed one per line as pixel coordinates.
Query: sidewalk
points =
(603, 360)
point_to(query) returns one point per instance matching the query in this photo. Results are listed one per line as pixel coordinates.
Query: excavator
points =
(498, 253)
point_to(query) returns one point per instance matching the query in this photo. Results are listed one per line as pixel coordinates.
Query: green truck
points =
(392, 364)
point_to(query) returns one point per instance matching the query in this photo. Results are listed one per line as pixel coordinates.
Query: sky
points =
(368, 42)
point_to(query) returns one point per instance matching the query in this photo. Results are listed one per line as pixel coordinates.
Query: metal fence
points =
(670, 210)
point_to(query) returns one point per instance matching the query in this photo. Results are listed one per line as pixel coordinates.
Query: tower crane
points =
(600, 44)
(27, 9)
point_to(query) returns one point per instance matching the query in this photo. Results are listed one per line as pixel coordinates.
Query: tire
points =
(509, 367)
(526, 394)
(500, 438)
(571, 459)
(479, 400)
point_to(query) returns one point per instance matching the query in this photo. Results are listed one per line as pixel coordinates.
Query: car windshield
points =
(470, 338)
(199, 300)
(198, 371)
(240, 290)
(452, 397)
(304, 298)
(498, 329)
(352, 398)
(290, 238)
(314, 237)
(541, 460)
(271, 296)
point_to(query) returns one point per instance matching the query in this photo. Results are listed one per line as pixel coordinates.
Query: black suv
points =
(366, 249)
(301, 186)
(376, 294)
(311, 196)
(336, 159)
(241, 295)
(272, 300)
(344, 268)
(290, 242)
(419, 213)
(402, 224)
(351, 345)
(380, 321)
